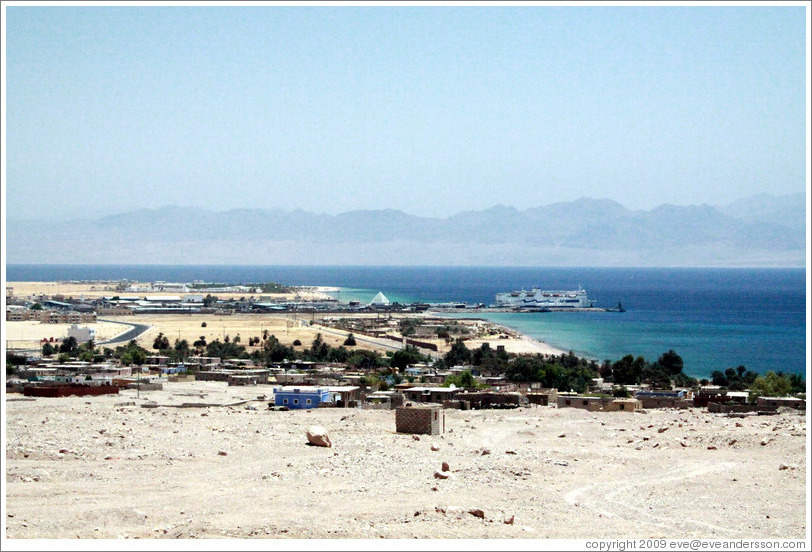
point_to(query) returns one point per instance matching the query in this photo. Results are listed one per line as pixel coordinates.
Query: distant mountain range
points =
(762, 230)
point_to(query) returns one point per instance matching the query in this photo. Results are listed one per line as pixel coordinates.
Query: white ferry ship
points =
(538, 298)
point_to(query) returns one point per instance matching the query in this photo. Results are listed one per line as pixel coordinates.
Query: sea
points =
(714, 318)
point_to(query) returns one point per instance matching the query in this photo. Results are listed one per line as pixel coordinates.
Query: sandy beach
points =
(104, 467)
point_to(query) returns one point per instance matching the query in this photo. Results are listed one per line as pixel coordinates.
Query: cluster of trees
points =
(735, 379)
(69, 348)
(777, 384)
(634, 371)
(569, 372)
(128, 354)
(565, 372)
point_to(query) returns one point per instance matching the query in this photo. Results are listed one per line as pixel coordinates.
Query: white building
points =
(380, 300)
(81, 334)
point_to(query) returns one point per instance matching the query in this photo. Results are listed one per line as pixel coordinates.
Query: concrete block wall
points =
(428, 421)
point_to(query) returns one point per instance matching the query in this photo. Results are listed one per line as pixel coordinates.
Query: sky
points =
(432, 110)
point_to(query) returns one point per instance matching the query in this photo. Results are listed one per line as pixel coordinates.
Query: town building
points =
(300, 397)
(430, 394)
(791, 402)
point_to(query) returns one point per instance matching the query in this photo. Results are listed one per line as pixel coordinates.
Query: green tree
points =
(181, 349)
(350, 341)
(160, 342)
(48, 349)
(339, 354)
(671, 363)
(464, 380)
(771, 385)
(403, 358)
(36, 306)
(458, 355)
(628, 370)
(735, 379)
(365, 360)
(69, 345)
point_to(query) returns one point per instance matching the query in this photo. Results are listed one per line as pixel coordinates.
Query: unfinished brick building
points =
(428, 420)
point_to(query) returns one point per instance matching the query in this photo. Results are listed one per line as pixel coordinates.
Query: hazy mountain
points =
(787, 210)
(759, 231)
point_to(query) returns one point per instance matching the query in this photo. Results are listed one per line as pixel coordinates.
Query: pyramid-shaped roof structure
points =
(380, 299)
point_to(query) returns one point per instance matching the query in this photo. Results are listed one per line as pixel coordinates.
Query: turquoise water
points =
(713, 318)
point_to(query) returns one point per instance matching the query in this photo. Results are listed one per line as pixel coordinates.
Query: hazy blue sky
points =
(431, 110)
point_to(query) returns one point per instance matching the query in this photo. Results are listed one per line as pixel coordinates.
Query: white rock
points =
(317, 435)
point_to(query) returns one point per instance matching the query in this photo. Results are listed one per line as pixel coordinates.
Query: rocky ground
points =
(105, 467)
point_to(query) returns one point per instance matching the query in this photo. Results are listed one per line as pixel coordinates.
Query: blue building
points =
(296, 397)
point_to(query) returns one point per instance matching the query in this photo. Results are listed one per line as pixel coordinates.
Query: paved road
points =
(132, 333)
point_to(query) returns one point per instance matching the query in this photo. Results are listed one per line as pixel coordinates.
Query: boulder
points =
(317, 436)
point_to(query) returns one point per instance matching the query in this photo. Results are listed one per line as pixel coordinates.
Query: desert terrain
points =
(105, 467)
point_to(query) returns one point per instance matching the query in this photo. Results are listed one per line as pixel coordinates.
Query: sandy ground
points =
(28, 334)
(104, 467)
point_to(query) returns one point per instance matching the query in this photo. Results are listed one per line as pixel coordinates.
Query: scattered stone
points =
(445, 467)
(476, 512)
(484, 451)
(435, 489)
(662, 430)
(435, 448)
(416, 437)
(510, 452)
(563, 435)
(509, 521)
(711, 447)
(455, 511)
(683, 444)
(764, 442)
(222, 453)
(317, 436)
(442, 474)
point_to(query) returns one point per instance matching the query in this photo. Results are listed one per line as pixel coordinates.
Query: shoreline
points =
(184, 326)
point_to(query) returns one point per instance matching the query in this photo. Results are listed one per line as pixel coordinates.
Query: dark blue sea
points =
(714, 318)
